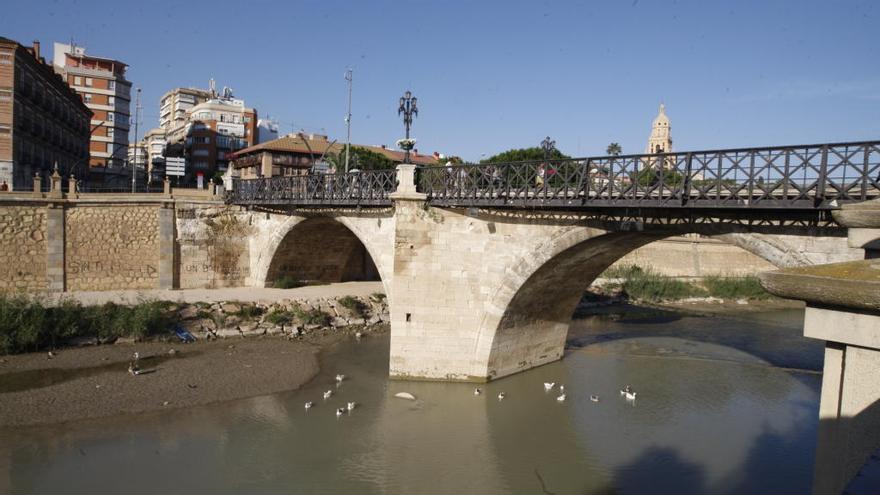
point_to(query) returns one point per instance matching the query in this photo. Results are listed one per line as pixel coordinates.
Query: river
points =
(725, 405)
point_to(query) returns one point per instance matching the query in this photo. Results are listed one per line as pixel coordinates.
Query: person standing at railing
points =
(539, 177)
(4, 187)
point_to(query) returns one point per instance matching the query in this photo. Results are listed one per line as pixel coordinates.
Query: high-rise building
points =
(105, 91)
(175, 104)
(42, 121)
(207, 133)
(154, 144)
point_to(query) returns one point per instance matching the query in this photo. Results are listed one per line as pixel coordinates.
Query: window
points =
(89, 81)
(111, 85)
(77, 81)
(87, 97)
(110, 132)
(110, 148)
(200, 152)
(111, 100)
(110, 116)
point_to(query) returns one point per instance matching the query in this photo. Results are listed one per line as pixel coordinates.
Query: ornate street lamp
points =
(408, 109)
(548, 145)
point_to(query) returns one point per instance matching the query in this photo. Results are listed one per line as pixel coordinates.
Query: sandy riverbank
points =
(93, 382)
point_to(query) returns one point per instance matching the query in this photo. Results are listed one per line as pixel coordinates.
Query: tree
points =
(650, 176)
(613, 149)
(524, 154)
(361, 159)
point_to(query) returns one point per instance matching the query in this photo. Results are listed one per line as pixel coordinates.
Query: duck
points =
(327, 394)
(549, 386)
(500, 395)
(594, 398)
(630, 395)
(339, 378)
(561, 398)
(309, 405)
(339, 412)
(351, 405)
(477, 391)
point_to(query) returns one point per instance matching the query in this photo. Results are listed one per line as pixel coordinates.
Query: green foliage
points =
(735, 287)
(249, 311)
(355, 305)
(287, 282)
(524, 154)
(650, 176)
(311, 316)
(280, 317)
(29, 324)
(361, 159)
(217, 178)
(613, 149)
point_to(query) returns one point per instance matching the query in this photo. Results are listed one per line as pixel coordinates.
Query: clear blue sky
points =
(492, 75)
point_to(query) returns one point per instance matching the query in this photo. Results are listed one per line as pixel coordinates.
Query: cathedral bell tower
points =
(661, 134)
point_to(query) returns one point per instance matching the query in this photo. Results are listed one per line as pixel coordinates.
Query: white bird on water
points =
(562, 388)
(561, 398)
(548, 386)
(339, 378)
(309, 405)
(340, 412)
(327, 394)
(594, 398)
(501, 396)
(351, 405)
(477, 391)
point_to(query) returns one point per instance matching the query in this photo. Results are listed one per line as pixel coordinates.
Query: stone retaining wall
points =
(23, 249)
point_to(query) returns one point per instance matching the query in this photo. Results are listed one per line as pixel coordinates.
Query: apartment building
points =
(176, 104)
(43, 123)
(207, 133)
(107, 93)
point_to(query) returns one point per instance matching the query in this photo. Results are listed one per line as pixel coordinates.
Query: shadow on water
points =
(18, 381)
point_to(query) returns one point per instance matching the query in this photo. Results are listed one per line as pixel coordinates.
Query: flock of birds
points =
(626, 392)
(349, 406)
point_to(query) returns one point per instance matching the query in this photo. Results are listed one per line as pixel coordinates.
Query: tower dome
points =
(660, 140)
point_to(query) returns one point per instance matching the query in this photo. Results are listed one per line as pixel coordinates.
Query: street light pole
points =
(407, 108)
(348, 77)
(137, 110)
(548, 145)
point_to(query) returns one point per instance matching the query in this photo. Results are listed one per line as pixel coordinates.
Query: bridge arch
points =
(527, 318)
(326, 248)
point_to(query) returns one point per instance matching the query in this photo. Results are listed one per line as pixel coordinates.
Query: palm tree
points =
(613, 149)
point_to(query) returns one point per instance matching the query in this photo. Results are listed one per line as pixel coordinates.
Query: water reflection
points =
(708, 419)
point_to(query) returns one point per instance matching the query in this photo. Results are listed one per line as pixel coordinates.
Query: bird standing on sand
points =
(351, 405)
(477, 391)
(309, 405)
(339, 378)
(327, 394)
(501, 396)
(340, 412)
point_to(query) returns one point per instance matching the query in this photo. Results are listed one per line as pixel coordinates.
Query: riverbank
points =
(94, 382)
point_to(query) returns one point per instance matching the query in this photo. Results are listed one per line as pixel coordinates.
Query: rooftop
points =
(320, 145)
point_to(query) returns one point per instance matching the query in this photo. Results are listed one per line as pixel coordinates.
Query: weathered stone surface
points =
(228, 332)
(23, 249)
(230, 308)
(188, 312)
(338, 322)
(864, 215)
(854, 284)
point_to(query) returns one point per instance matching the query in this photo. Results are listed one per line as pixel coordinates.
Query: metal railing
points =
(364, 188)
(818, 176)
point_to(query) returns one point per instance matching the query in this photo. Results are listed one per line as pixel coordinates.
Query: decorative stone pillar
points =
(166, 186)
(406, 184)
(843, 309)
(55, 191)
(167, 246)
(71, 186)
(38, 186)
(55, 247)
(863, 225)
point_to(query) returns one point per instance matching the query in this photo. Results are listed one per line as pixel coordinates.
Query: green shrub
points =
(622, 271)
(311, 316)
(249, 311)
(354, 305)
(280, 317)
(288, 282)
(27, 324)
(735, 287)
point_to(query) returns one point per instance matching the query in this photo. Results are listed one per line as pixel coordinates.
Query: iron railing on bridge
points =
(364, 188)
(805, 177)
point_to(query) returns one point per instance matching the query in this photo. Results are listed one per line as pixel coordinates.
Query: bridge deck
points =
(808, 178)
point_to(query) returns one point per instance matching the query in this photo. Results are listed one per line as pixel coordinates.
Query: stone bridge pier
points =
(478, 294)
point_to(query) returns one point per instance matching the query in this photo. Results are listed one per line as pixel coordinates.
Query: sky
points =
(495, 75)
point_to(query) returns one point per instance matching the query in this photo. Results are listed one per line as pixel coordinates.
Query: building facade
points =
(298, 154)
(107, 93)
(43, 122)
(154, 144)
(207, 133)
(660, 140)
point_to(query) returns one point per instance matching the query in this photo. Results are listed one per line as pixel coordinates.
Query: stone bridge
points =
(476, 293)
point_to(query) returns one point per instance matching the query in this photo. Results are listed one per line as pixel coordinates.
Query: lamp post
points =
(408, 109)
(548, 145)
